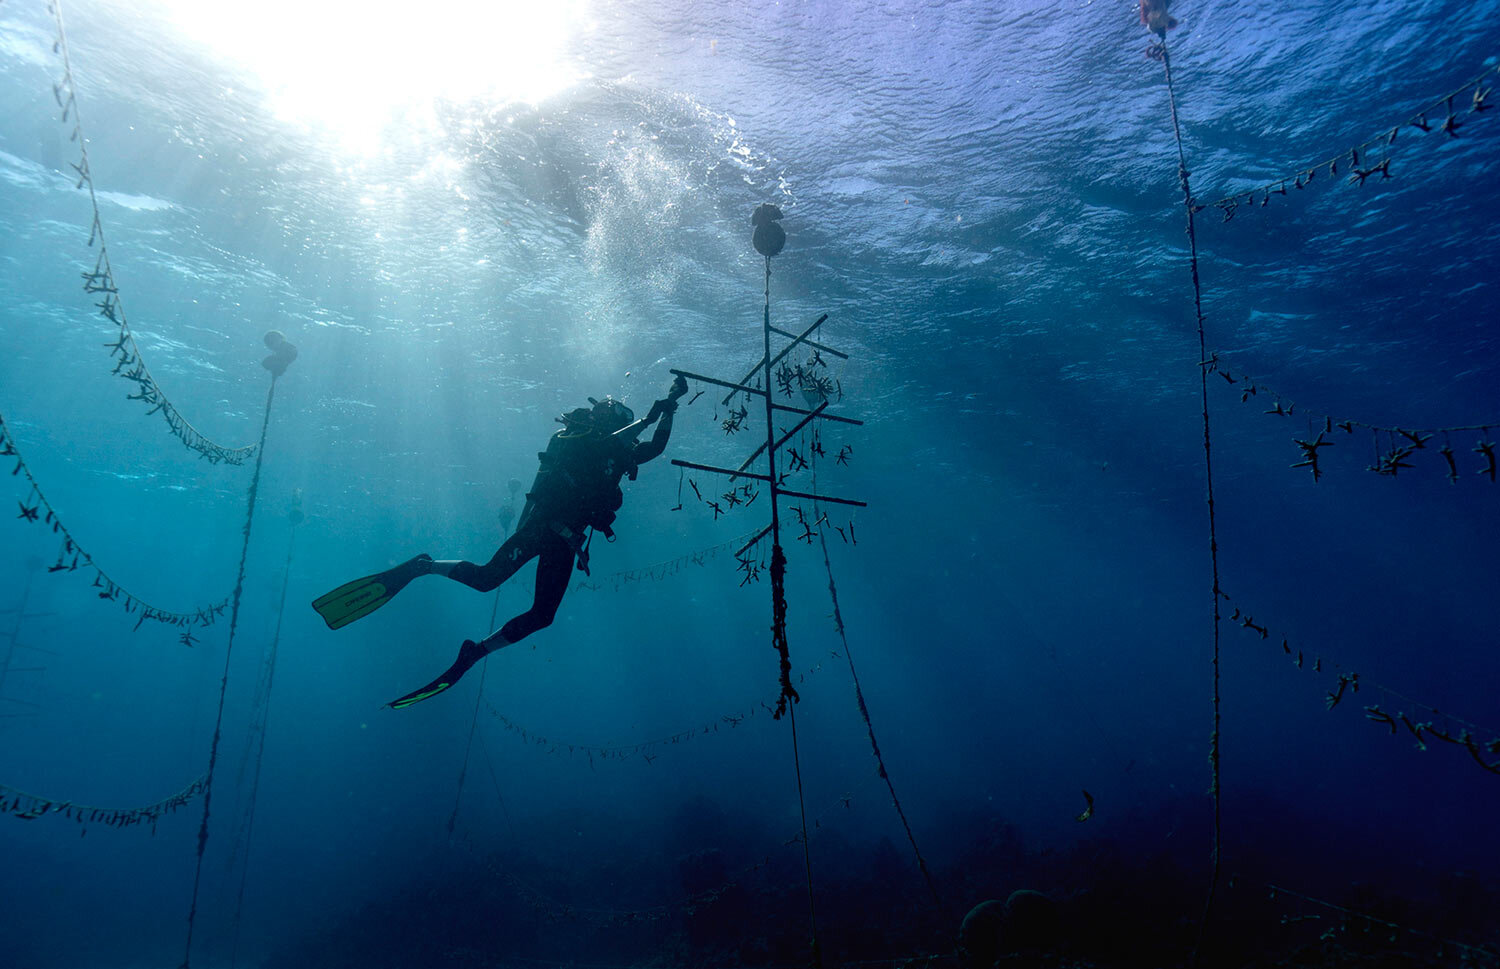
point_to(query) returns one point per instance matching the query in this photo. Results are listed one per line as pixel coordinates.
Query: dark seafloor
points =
(984, 198)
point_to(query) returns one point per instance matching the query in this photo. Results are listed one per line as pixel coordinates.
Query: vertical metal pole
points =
(778, 595)
(463, 771)
(770, 427)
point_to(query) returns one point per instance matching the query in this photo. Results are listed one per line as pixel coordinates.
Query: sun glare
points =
(355, 66)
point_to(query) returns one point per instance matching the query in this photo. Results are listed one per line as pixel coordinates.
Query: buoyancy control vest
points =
(578, 483)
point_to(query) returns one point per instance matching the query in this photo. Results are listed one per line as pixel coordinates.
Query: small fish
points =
(1088, 812)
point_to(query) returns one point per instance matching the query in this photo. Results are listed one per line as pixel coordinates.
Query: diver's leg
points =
(554, 568)
(515, 552)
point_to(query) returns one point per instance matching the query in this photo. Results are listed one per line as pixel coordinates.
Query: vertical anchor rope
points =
(234, 618)
(812, 911)
(788, 699)
(864, 711)
(265, 723)
(463, 772)
(489, 762)
(1208, 468)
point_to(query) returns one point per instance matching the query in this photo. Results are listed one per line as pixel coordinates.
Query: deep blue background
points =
(984, 199)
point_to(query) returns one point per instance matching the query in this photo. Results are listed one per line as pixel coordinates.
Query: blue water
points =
(984, 200)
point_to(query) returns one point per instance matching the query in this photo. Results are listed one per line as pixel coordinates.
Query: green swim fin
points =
(468, 654)
(357, 599)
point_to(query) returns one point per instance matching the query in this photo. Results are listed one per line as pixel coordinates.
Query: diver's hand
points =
(668, 404)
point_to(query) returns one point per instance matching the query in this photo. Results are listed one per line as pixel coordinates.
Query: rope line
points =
(1391, 455)
(263, 729)
(1350, 682)
(788, 698)
(788, 694)
(812, 911)
(624, 752)
(71, 556)
(234, 619)
(864, 710)
(1208, 469)
(1472, 955)
(463, 772)
(27, 807)
(1355, 158)
(499, 794)
(659, 571)
(507, 515)
(129, 363)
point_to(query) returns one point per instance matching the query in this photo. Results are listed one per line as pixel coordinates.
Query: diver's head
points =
(609, 415)
(578, 422)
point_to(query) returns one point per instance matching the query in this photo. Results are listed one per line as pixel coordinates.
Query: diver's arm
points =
(662, 411)
(658, 443)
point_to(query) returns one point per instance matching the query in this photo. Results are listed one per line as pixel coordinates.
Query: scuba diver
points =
(576, 489)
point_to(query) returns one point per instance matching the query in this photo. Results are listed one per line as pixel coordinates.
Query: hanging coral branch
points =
(642, 748)
(1441, 727)
(27, 807)
(100, 283)
(71, 557)
(1393, 448)
(1371, 159)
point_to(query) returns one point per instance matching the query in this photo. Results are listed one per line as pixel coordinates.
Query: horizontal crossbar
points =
(729, 471)
(738, 388)
(825, 417)
(781, 493)
(751, 544)
(742, 388)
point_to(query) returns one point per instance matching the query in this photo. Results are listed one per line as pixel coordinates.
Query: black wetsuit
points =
(576, 488)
